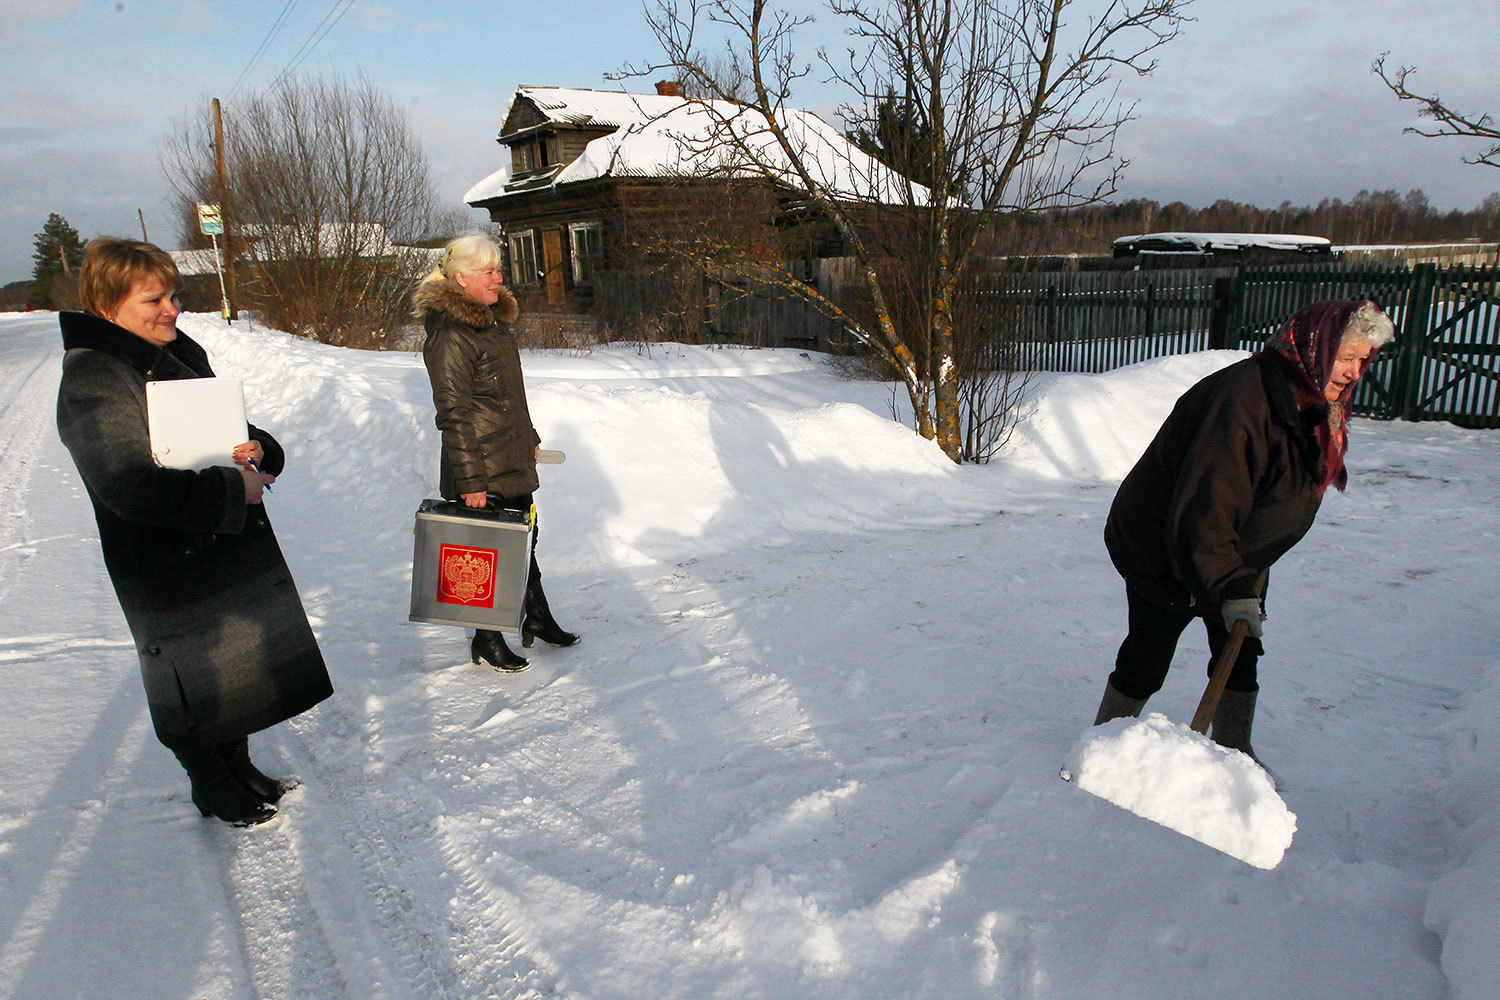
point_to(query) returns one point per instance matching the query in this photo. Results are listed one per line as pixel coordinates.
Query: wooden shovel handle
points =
(1222, 668)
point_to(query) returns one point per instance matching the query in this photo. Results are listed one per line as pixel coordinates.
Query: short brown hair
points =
(112, 267)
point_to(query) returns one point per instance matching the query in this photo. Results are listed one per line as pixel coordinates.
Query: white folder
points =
(195, 423)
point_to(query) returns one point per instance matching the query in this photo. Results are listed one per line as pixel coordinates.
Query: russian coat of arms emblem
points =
(466, 576)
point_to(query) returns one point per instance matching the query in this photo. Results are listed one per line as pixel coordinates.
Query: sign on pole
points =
(210, 222)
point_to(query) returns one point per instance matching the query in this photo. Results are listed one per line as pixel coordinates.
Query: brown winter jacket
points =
(489, 443)
(1227, 486)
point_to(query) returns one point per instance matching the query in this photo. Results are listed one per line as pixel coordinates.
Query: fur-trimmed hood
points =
(445, 296)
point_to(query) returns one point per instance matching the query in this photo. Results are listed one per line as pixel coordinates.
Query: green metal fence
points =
(1093, 321)
(1443, 365)
(1445, 361)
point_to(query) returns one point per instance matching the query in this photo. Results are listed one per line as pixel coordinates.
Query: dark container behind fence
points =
(469, 565)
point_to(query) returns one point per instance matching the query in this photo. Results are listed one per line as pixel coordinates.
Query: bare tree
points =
(1447, 122)
(1012, 108)
(329, 186)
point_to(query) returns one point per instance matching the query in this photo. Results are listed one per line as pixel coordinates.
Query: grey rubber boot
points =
(1233, 720)
(1115, 705)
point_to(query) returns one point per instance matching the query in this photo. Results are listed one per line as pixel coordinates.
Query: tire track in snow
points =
(267, 901)
(28, 382)
(373, 861)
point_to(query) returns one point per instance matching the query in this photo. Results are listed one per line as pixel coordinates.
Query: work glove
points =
(1247, 608)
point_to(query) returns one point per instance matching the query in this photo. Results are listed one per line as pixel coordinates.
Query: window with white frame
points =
(523, 258)
(587, 249)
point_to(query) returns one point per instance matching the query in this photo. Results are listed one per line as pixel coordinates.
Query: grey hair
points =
(1368, 325)
(469, 253)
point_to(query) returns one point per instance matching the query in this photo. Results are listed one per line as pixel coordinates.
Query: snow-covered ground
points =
(809, 746)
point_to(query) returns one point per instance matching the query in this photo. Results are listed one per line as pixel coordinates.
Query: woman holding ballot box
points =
(225, 648)
(489, 443)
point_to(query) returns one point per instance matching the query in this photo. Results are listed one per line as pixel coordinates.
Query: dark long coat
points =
(474, 365)
(224, 643)
(1228, 485)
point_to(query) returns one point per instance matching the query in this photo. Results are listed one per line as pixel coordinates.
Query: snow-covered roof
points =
(665, 137)
(191, 262)
(369, 240)
(1208, 242)
(366, 239)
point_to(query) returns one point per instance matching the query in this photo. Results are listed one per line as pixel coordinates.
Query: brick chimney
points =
(668, 88)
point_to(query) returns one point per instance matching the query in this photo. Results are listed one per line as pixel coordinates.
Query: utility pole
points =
(232, 296)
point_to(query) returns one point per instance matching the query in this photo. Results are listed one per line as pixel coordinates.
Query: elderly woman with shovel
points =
(1233, 480)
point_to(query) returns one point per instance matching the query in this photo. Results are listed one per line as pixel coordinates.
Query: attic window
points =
(537, 153)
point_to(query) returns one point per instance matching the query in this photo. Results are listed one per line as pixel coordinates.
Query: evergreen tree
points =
(58, 253)
(901, 138)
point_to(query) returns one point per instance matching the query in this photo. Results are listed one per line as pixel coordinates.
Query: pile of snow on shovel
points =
(1169, 774)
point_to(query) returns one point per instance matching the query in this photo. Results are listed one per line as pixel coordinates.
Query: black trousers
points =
(1146, 654)
(523, 502)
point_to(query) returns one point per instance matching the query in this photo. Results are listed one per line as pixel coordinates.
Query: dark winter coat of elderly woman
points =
(225, 648)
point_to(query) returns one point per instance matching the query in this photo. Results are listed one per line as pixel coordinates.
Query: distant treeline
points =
(1369, 217)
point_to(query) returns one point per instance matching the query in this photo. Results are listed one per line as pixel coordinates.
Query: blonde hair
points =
(1368, 325)
(113, 267)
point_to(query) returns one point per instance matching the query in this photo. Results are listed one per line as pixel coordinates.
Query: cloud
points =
(378, 17)
(1302, 149)
(15, 14)
(96, 193)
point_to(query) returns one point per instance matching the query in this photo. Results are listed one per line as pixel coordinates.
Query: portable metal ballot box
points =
(469, 565)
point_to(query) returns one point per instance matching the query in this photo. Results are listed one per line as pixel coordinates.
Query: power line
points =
(264, 44)
(326, 25)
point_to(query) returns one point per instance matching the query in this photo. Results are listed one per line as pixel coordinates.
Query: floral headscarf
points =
(1307, 346)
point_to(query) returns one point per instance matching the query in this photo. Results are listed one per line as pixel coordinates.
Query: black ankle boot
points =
(539, 623)
(491, 648)
(266, 788)
(216, 792)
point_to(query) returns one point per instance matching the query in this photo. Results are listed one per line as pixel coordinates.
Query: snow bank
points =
(659, 467)
(1463, 907)
(1096, 426)
(1167, 773)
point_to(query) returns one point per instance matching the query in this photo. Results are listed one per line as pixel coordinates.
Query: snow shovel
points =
(1174, 775)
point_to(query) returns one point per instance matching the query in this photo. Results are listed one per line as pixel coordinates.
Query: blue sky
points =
(1263, 102)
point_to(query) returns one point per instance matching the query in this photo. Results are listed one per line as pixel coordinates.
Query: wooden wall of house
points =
(523, 114)
(643, 224)
(571, 141)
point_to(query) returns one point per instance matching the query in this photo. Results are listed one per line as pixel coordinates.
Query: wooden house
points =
(598, 180)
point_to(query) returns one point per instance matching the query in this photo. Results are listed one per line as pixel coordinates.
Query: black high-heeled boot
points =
(267, 788)
(491, 648)
(216, 792)
(539, 623)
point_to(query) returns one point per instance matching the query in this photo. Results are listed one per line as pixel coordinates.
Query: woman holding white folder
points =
(225, 648)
